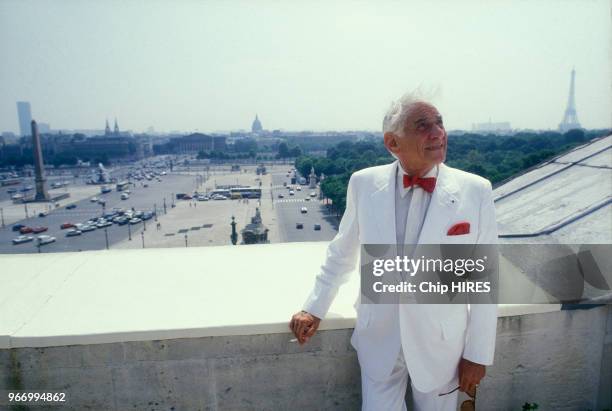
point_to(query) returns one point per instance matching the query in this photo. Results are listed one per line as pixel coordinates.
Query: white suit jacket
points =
(434, 337)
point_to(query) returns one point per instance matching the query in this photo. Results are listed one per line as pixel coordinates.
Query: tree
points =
(283, 150)
(295, 151)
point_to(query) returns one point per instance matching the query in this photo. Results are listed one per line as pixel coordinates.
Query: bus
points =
(122, 185)
(245, 192)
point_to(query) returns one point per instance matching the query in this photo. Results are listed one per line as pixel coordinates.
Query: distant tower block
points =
(570, 118)
(41, 189)
(116, 130)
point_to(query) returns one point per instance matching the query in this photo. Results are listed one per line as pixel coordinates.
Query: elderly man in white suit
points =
(415, 200)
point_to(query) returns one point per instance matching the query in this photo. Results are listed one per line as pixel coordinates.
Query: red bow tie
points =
(428, 183)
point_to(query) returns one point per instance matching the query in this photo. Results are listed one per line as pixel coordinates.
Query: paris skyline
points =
(213, 66)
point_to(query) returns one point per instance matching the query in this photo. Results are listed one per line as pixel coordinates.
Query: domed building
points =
(256, 126)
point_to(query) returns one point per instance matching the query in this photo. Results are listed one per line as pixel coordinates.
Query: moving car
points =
(299, 226)
(37, 230)
(73, 233)
(303, 210)
(298, 188)
(43, 214)
(291, 192)
(125, 196)
(93, 199)
(45, 239)
(313, 194)
(281, 196)
(87, 227)
(22, 239)
(66, 225)
(71, 206)
(317, 227)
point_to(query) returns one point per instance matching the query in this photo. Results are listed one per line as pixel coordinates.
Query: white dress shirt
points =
(410, 207)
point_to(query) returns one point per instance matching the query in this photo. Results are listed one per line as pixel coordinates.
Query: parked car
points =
(317, 227)
(66, 225)
(123, 220)
(103, 223)
(135, 220)
(25, 230)
(71, 206)
(93, 199)
(86, 227)
(73, 233)
(299, 226)
(22, 239)
(37, 230)
(43, 214)
(44, 239)
(18, 227)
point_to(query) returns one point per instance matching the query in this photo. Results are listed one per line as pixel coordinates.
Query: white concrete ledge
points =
(134, 295)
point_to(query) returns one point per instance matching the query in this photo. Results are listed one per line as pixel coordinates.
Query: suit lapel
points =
(442, 208)
(383, 202)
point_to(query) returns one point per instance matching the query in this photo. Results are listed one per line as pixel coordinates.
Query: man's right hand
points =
(304, 325)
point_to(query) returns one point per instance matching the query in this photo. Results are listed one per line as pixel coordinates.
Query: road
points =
(141, 198)
(288, 213)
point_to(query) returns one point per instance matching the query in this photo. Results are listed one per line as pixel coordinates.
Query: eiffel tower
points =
(570, 119)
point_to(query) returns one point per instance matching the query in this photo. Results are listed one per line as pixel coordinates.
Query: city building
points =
(492, 128)
(194, 143)
(256, 126)
(24, 113)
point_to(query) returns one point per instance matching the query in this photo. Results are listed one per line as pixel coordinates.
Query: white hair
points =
(395, 118)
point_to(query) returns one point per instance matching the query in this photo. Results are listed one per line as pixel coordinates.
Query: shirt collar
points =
(400, 177)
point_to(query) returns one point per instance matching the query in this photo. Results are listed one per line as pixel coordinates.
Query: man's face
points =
(422, 143)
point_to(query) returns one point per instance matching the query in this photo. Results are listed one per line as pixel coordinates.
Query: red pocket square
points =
(459, 228)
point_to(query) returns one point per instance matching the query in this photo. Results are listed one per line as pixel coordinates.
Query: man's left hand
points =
(470, 374)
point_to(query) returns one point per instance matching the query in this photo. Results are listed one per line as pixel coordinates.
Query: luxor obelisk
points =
(41, 189)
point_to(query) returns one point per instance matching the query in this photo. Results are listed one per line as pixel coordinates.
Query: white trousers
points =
(388, 395)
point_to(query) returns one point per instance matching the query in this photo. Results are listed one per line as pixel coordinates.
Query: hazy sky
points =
(316, 65)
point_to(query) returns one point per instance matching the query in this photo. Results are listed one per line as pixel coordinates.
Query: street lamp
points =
(129, 231)
(142, 235)
(106, 236)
